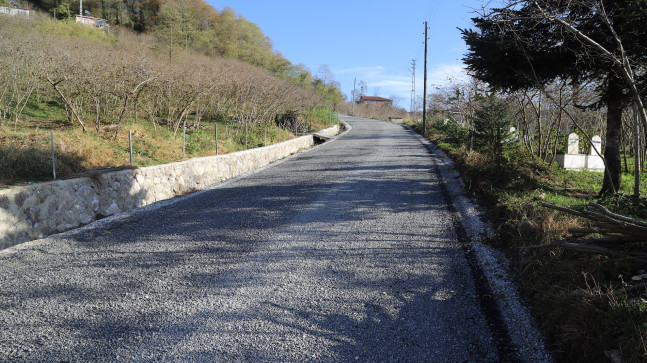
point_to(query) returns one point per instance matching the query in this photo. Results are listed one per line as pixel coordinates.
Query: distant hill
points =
(91, 86)
(184, 23)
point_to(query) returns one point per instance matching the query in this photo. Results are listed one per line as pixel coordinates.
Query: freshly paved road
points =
(343, 253)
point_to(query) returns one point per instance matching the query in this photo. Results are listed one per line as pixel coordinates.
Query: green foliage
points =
(44, 109)
(320, 118)
(532, 44)
(626, 204)
(581, 317)
(74, 75)
(198, 140)
(69, 28)
(329, 92)
(515, 48)
(492, 124)
(185, 24)
(455, 133)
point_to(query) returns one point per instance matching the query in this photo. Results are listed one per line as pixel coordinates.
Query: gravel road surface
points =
(344, 253)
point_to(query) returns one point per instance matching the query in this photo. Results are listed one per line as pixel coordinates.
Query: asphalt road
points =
(347, 252)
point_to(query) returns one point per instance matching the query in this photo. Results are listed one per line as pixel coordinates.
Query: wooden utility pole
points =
(424, 96)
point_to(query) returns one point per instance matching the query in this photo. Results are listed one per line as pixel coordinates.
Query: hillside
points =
(90, 88)
(184, 23)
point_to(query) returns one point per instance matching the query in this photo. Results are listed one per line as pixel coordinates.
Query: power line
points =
(433, 11)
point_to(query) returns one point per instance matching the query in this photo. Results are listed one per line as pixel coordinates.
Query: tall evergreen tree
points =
(520, 46)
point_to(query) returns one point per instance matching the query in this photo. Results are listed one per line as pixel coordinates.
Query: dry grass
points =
(582, 302)
(25, 151)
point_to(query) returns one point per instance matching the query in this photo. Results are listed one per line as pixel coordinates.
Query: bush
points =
(455, 133)
(625, 204)
(492, 124)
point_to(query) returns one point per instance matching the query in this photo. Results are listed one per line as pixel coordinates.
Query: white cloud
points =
(448, 73)
(387, 84)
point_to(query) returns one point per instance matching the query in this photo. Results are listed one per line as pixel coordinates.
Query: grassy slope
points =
(25, 149)
(578, 299)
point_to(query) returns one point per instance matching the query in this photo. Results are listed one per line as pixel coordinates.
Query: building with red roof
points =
(374, 100)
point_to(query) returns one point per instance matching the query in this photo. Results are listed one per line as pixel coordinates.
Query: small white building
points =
(17, 12)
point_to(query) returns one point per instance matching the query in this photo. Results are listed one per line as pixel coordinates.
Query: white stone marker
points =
(596, 144)
(573, 144)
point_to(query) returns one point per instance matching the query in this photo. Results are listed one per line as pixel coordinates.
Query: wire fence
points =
(231, 131)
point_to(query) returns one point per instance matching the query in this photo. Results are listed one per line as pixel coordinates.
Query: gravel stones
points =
(346, 252)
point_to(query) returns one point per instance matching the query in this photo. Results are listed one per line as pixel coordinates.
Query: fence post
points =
(245, 135)
(184, 140)
(130, 146)
(265, 143)
(216, 139)
(51, 135)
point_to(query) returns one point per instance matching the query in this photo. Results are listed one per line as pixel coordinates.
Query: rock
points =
(85, 218)
(113, 209)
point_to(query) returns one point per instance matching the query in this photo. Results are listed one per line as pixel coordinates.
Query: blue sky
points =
(373, 41)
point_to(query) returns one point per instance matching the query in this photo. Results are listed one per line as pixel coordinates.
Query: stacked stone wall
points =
(39, 210)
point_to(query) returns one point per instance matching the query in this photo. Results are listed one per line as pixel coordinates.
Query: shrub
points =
(455, 133)
(626, 204)
(492, 124)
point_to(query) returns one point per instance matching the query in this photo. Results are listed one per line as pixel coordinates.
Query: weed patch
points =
(25, 148)
(582, 302)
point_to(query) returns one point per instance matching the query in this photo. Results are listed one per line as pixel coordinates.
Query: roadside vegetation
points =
(587, 304)
(541, 71)
(90, 88)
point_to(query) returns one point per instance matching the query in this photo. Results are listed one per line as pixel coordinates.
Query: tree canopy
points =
(526, 44)
(185, 24)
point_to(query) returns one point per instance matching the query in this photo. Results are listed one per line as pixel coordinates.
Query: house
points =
(91, 21)
(17, 12)
(373, 100)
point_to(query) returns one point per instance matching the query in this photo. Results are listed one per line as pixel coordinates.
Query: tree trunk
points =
(613, 172)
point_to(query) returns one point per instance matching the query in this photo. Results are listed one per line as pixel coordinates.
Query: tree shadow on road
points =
(158, 279)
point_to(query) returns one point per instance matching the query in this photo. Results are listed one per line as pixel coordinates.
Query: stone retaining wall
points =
(39, 210)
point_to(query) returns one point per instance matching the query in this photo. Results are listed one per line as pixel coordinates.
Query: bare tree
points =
(574, 39)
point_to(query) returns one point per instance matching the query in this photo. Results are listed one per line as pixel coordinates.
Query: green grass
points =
(44, 110)
(578, 299)
(69, 28)
(76, 152)
(321, 118)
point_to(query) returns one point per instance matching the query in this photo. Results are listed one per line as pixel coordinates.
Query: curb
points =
(511, 324)
(115, 218)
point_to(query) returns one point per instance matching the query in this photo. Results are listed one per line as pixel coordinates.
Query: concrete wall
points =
(38, 210)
